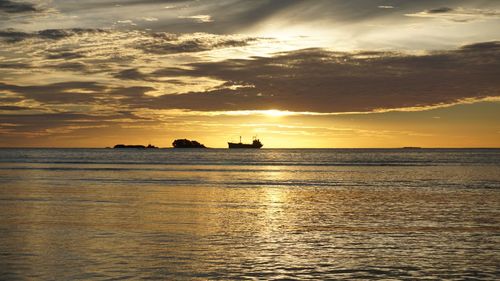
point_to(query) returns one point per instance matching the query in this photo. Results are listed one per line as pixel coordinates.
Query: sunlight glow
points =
(276, 113)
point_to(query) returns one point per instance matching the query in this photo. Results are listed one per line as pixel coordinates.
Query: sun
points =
(276, 113)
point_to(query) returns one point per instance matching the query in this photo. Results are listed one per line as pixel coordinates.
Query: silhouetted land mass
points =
(124, 146)
(185, 143)
(412, 147)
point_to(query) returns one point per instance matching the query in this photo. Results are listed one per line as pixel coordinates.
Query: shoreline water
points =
(266, 214)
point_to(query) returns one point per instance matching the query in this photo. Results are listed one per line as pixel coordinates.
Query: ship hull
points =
(243, 145)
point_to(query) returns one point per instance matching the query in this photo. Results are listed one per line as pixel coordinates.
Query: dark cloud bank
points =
(323, 81)
(458, 14)
(314, 80)
(14, 36)
(13, 7)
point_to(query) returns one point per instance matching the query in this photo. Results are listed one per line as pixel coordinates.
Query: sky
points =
(294, 73)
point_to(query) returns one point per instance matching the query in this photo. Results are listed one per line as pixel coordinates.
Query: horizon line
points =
(399, 147)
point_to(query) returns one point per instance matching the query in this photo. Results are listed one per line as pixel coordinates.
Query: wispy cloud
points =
(199, 18)
(457, 14)
(156, 42)
(12, 35)
(102, 51)
(127, 22)
(149, 19)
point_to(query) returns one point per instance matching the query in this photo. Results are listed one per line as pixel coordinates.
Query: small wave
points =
(263, 163)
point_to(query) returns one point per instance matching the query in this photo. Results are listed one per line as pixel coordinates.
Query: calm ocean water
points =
(218, 214)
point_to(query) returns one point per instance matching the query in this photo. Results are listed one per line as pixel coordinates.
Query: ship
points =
(255, 144)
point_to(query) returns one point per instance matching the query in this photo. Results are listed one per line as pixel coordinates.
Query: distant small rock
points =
(124, 146)
(185, 143)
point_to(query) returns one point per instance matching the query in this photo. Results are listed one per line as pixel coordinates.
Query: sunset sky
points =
(296, 73)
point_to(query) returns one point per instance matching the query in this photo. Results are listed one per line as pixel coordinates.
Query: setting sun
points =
(276, 113)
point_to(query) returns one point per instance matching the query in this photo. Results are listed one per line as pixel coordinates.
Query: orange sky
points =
(294, 73)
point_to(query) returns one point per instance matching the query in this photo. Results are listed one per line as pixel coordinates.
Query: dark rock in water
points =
(185, 143)
(121, 146)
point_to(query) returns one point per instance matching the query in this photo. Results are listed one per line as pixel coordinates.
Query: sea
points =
(269, 214)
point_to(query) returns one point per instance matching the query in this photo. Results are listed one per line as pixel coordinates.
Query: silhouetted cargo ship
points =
(255, 144)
